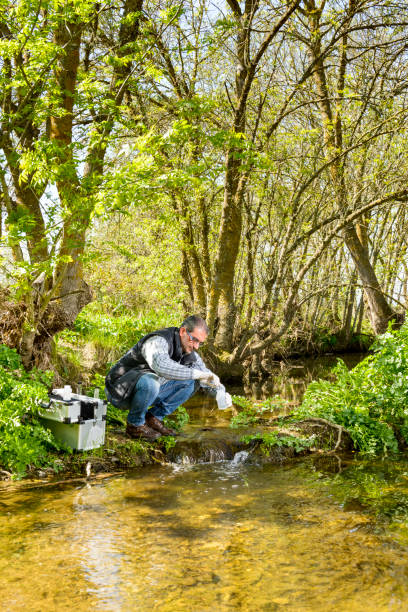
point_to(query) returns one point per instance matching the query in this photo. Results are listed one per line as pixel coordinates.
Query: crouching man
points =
(161, 371)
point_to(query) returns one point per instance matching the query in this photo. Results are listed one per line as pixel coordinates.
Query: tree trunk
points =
(221, 299)
(379, 311)
(378, 308)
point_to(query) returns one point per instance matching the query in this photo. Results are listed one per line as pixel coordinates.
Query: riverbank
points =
(207, 438)
(361, 409)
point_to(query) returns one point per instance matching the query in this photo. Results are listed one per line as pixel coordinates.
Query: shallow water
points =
(289, 378)
(224, 536)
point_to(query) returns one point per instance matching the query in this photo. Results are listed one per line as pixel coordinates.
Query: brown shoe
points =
(142, 432)
(157, 425)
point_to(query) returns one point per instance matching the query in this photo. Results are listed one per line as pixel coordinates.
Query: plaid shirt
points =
(156, 352)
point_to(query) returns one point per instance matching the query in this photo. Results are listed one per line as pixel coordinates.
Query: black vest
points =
(123, 376)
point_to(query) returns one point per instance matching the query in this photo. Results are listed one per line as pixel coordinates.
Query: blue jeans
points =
(163, 399)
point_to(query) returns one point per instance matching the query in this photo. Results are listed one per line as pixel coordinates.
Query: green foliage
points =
(112, 331)
(9, 358)
(178, 419)
(255, 412)
(370, 400)
(134, 263)
(169, 140)
(98, 382)
(25, 442)
(169, 442)
(270, 439)
(115, 416)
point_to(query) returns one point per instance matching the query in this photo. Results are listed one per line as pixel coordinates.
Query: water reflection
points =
(377, 486)
(289, 378)
(225, 536)
(97, 548)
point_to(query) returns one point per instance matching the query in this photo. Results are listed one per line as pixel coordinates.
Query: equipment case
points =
(79, 436)
(75, 410)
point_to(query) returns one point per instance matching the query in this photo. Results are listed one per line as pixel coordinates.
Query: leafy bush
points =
(24, 441)
(371, 400)
(9, 358)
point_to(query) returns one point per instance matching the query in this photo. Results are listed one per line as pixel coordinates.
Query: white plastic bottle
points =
(66, 395)
(221, 399)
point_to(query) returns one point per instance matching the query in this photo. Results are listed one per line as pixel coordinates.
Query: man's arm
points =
(156, 352)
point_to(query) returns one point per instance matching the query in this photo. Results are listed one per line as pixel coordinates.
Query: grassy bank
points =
(27, 447)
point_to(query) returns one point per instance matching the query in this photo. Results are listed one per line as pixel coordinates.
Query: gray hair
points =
(194, 321)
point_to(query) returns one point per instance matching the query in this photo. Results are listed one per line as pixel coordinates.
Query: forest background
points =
(241, 160)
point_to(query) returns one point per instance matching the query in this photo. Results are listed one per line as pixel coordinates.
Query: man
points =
(161, 371)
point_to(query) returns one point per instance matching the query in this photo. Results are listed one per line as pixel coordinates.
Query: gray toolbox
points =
(76, 419)
(79, 436)
(77, 409)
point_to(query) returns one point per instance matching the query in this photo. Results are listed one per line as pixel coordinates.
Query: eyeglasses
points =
(194, 339)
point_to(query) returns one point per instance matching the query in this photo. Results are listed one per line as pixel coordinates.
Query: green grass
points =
(116, 332)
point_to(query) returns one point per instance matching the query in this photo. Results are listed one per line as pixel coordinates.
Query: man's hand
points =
(208, 378)
(213, 380)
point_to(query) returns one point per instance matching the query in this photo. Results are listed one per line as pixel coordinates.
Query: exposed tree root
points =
(12, 316)
(343, 436)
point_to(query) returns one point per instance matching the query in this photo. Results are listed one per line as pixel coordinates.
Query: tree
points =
(332, 90)
(65, 69)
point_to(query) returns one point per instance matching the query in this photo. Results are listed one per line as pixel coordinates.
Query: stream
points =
(322, 533)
